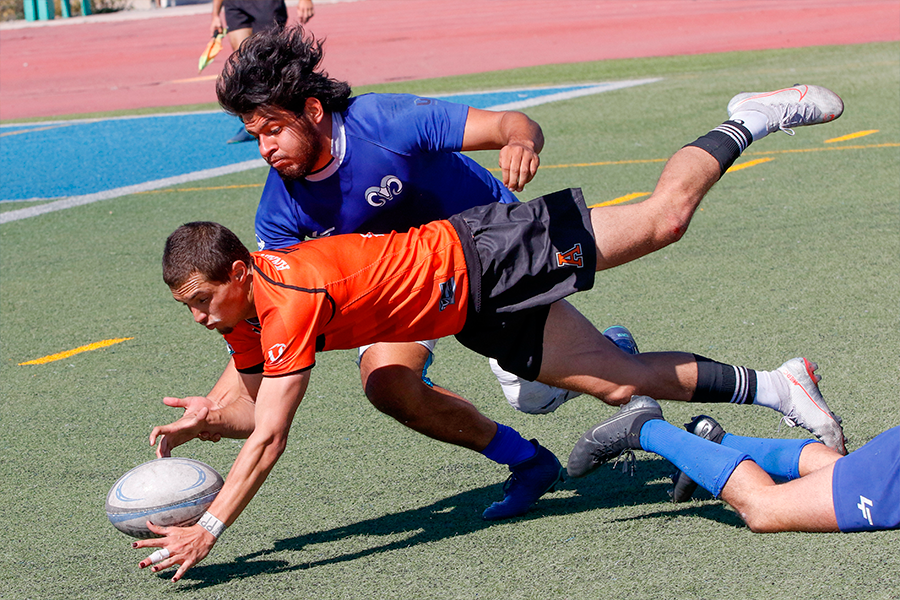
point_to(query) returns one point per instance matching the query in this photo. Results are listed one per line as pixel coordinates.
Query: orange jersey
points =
(350, 290)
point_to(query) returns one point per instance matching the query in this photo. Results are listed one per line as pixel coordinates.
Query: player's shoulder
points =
(382, 109)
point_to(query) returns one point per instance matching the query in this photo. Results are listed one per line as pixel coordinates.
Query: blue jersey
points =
(396, 165)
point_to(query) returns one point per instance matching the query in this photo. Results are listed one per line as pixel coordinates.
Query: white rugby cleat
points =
(795, 106)
(806, 407)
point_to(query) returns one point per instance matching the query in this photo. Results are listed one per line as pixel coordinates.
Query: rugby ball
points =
(166, 491)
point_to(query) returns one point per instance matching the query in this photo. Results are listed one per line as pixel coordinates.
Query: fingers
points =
(158, 556)
(164, 450)
(519, 165)
(176, 402)
(184, 546)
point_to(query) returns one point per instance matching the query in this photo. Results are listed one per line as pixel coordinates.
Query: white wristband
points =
(211, 524)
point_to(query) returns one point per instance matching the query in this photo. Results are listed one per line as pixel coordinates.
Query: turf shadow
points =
(459, 515)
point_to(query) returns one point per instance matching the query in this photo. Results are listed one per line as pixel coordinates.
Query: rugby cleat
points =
(806, 407)
(795, 106)
(609, 439)
(708, 429)
(622, 338)
(528, 481)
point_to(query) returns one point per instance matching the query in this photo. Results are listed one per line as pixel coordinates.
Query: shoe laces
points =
(627, 458)
(802, 112)
(510, 481)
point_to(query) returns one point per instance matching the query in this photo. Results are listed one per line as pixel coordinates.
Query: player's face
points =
(290, 144)
(219, 306)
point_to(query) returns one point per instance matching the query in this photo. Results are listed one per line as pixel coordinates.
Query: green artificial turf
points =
(799, 255)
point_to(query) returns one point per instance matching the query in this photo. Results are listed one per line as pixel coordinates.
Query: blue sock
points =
(778, 458)
(508, 447)
(707, 463)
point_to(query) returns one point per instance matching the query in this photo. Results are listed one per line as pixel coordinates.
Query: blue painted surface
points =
(56, 160)
(82, 158)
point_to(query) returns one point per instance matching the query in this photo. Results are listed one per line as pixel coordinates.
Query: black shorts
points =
(528, 255)
(258, 15)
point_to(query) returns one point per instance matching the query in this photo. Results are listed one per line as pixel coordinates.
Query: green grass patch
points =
(795, 256)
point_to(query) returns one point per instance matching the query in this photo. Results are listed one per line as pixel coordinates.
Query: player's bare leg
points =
(624, 233)
(392, 378)
(579, 357)
(236, 37)
(804, 504)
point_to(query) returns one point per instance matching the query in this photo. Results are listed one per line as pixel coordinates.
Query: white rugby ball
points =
(166, 491)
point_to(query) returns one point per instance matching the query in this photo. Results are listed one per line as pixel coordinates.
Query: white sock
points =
(771, 387)
(755, 122)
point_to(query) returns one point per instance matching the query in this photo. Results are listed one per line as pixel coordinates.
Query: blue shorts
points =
(866, 485)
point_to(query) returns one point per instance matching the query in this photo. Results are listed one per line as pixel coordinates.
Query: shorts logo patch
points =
(573, 257)
(390, 187)
(275, 352)
(864, 505)
(448, 294)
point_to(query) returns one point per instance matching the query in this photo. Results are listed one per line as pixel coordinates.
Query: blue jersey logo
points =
(390, 187)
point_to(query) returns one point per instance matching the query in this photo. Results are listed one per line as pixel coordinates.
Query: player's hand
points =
(305, 11)
(519, 164)
(216, 26)
(191, 425)
(186, 547)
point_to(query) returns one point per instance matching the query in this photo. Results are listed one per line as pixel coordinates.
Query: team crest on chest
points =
(390, 187)
(573, 257)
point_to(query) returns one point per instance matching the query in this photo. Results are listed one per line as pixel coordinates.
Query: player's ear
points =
(314, 110)
(239, 271)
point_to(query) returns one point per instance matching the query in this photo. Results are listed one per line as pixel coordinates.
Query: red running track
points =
(148, 58)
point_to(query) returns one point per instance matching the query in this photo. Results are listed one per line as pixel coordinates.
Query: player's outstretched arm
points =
(228, 411)
(279, 398)
(518, 138)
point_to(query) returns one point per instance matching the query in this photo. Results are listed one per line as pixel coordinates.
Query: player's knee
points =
(619, 395)
(757, 516)
(389, 387)
(674, 226)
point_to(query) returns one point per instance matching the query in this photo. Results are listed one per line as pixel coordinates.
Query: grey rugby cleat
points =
(620, 432)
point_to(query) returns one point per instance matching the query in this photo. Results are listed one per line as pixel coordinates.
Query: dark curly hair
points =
(278, 68)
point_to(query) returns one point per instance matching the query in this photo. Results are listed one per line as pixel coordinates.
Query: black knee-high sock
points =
(725, 143)
(718, 382)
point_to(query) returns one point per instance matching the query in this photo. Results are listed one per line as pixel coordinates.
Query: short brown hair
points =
(202, 247)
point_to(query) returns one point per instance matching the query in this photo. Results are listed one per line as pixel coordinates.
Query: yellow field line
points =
(749, 163)
(832, 149)
(576, 165)
(80, 349)
(852, 136)
(621, 199)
